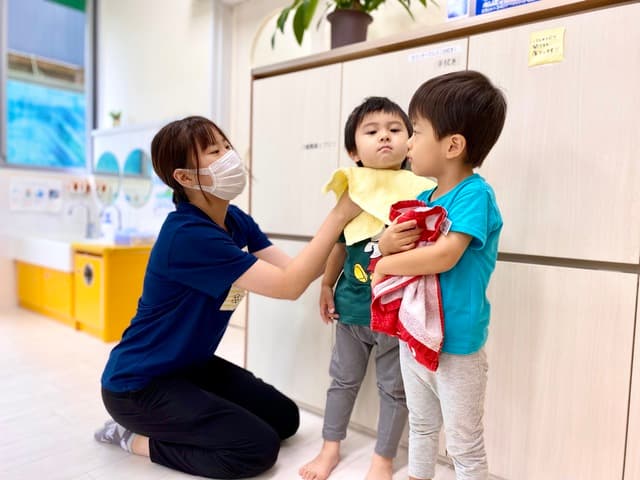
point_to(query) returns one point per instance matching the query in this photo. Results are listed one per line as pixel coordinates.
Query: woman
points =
(170, 396)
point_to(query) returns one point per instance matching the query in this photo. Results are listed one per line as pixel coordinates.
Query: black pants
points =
(215, 420)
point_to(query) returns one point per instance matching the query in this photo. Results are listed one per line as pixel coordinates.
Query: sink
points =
(52, 251)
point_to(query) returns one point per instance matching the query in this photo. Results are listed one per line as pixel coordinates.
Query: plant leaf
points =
(282, 20)
(298, 22)
(407, 6)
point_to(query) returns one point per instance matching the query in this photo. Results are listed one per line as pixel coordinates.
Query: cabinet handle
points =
(87, 274)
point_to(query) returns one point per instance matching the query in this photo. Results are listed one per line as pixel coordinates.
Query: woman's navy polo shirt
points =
(178, 323)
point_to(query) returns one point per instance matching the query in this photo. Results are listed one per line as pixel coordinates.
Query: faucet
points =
(89, 226)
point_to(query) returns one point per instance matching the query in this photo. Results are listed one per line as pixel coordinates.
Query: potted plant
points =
(115, 117)
(349, 19)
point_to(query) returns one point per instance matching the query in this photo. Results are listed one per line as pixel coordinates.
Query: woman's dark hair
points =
(465, 103)
(176, 145)
(371, 105)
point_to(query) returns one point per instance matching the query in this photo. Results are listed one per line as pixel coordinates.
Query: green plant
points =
(306, 9)
(115, 115)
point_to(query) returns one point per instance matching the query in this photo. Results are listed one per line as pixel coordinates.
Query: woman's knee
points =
(253, 458)
(289, 419)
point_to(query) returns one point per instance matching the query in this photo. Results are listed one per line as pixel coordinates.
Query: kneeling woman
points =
(170, 396)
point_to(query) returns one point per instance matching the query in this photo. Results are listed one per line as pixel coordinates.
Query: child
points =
(457, 118)
(171, 398)
(376, 135)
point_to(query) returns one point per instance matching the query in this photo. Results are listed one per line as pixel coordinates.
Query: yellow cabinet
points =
(46, 291)
(108, 283)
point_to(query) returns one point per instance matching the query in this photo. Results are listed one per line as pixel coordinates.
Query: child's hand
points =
(376, 278)
(399, 237)
(327, 305)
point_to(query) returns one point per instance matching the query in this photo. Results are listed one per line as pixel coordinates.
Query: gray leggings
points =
(348, 367)
(453, 395)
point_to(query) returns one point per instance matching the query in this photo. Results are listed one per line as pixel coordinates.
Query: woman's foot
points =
(321, 467)
(115, 434)
(381, 468)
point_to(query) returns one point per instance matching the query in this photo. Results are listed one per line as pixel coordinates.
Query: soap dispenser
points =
(107, 228)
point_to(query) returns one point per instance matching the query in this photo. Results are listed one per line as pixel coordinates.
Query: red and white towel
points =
(410, 307)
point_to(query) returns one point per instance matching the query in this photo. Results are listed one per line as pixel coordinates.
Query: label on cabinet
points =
(546, 46)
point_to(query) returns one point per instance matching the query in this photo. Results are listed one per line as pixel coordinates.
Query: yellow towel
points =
(374, 190)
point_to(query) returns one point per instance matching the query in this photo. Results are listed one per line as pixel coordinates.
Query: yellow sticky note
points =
(546, 46)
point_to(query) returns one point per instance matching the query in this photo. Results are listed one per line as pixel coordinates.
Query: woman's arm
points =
(436, 258)
(292, 280)
(274, 256)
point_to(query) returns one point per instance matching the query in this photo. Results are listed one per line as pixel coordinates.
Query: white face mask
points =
(228, 176)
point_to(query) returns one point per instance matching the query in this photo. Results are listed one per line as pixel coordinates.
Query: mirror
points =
(136, 178)
(107, 178)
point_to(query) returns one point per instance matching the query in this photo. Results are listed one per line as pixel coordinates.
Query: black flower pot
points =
(348, 26)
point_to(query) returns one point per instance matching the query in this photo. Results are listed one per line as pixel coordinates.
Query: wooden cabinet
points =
(295, 141)
(632, 461)
(562, 399)
(29, 283)
(108, 283)
(559, 349)
(57, 295)
(288, 345)
(45, 291)
(566, 169)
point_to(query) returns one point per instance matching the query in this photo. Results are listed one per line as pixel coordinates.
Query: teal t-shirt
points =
(472, 209)
(353, 290)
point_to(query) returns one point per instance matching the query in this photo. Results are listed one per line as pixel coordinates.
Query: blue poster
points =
(457, 9)
(487, 6)
(45, 126)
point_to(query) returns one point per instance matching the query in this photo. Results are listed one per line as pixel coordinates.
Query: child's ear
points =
(457, 145)
(354, 156)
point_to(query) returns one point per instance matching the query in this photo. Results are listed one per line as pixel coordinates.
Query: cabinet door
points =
(89, 298)
(559, 351)
(296, 124)
(57, 295)
(396, 75)
(29, 283)
(288, 345)
(632, 463)
(566, 168)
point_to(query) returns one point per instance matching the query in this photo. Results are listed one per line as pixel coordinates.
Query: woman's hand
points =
(327, 305)
(399, 237)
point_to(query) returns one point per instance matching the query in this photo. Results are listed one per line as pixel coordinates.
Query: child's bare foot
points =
(320, 467)
(381, 468)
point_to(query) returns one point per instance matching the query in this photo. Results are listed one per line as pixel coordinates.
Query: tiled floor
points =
(50, 405)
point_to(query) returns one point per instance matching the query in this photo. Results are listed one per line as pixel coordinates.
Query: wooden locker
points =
(296, 122)
(288, 345)
(566, 169)
(559, 350)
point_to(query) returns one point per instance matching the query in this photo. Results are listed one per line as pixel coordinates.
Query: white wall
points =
(154, 59)
(155, 63)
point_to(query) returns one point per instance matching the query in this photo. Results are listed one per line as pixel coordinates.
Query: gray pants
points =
(348, 367)
(453, 395)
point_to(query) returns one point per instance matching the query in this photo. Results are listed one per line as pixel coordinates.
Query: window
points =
(47, 101)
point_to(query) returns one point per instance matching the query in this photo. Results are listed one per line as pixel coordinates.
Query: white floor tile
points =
(50, 406)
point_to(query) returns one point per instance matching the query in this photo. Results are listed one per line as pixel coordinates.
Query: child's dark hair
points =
(371, 105)
(466, 103)
(176, 146)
